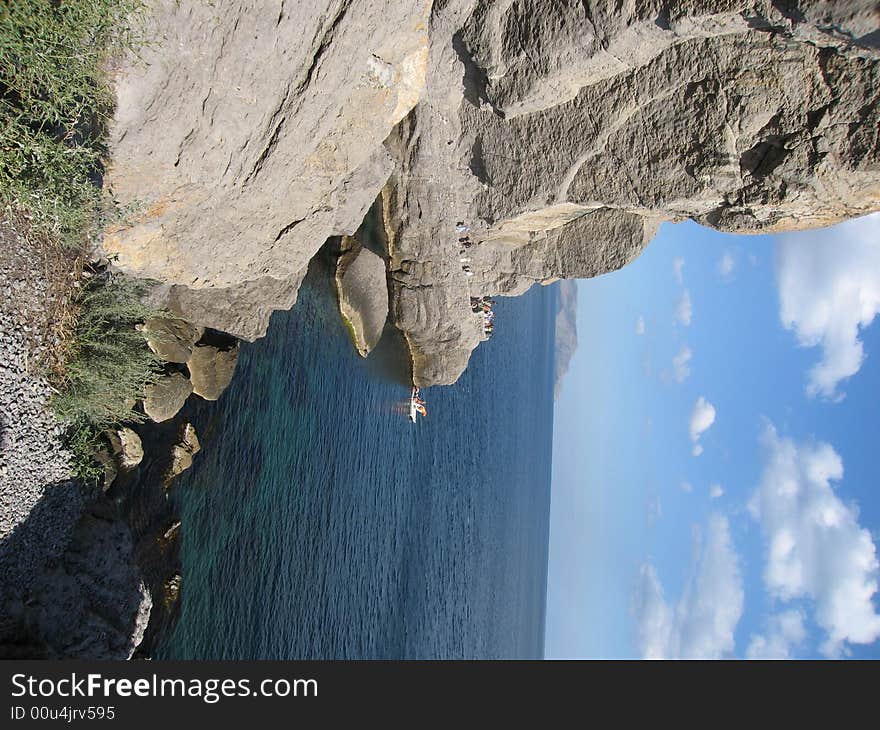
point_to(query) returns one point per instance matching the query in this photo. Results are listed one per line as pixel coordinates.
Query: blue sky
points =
(715, 486)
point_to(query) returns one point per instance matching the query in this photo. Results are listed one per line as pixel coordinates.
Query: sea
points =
(318, 522)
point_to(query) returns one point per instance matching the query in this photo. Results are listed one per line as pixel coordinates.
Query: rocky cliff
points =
(86, 602)
(560, 132)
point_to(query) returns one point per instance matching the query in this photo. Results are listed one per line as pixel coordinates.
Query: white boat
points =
(413, 403)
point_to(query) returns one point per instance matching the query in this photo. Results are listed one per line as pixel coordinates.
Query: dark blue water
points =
(318, 522)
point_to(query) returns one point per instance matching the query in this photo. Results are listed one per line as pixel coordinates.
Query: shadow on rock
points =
(83, 596)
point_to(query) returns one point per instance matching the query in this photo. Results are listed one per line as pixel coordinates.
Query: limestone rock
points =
(732, 114)
(252, 135)
(561, 132)
(211, 369)
(181, 460)
(189, 439)
(91, 603)
(363, 294)
(172, 531)
(182, 454)
(126, 446)
(164, 398)
(171, 339)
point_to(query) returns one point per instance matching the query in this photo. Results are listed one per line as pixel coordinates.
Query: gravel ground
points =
(39, 503)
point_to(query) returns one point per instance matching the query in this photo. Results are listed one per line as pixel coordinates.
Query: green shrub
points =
(83, 442)
(109, 362)
(54, 106)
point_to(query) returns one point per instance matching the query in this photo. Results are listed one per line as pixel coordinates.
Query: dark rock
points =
(90, 603)
(182, 455)
(108, 464)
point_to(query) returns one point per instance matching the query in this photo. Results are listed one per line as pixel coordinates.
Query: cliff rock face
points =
(89, 602)
(362, 291)
(561, 132)
(252, 133)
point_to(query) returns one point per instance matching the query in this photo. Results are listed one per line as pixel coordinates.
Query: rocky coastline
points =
(70, 586)
(560, 134)
(89, 571)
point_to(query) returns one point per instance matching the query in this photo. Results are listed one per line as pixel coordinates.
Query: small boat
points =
(416, 405)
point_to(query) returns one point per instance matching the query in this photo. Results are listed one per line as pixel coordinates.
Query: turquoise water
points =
(318, 522)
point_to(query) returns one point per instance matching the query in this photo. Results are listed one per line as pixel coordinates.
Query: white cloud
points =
(726, 265)
(654, 616)
(686, 487)
(785, 634)
(684, 310)
(640, 325)
(681, 364)
(702, 417)
(677, 266)
(703, 622)
(815, 546)
(716, 491)
(829, 289)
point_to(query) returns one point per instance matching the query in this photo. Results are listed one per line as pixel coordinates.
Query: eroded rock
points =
(91, 603)
(249, 137)
(126, 446)
(164, 398)
(171, 339)
(172, 590)
(182, 454)
(211, 369)
(561, 133)
(363, 294)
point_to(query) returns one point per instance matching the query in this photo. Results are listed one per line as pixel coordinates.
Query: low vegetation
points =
(55, 103)
(54, 106)
(108, 363)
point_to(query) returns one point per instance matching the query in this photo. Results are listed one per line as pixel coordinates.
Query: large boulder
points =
(211, 369)
(362, 293)
(249, 137)
(164, 398)
(126, 446)
(182, 453)
(170, 338)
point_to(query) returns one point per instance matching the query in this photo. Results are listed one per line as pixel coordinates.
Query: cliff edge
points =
(559, 133)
